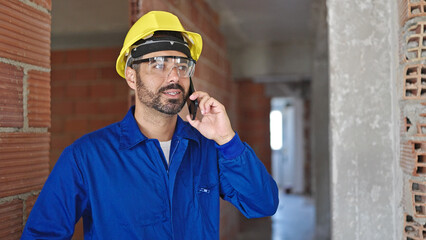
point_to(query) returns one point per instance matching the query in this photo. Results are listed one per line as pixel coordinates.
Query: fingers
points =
(205, 102)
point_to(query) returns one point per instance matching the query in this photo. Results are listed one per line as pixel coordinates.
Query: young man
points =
(152, 175)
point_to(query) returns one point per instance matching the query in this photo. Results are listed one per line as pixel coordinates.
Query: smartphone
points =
(192, 104)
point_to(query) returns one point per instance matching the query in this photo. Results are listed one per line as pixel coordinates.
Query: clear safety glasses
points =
(162, 66)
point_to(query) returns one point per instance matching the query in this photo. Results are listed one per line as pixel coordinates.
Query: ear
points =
(130, 74)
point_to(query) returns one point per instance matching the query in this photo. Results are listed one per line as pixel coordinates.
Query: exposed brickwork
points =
(421, 129)
(24, 162)
(86, 95)
(39, 99)
(403, 11)
(416, 8)
(11, 101)
(420, 156)
(403, 17)
(407, 156)
(11, 219)
(416, 49)
(421, 124)
(418, 190)
(413, 230)
(407, 124)
(24, 109)
(47, 4)
(25, 33)
(413, 122)
(415, 82)
(254, 108)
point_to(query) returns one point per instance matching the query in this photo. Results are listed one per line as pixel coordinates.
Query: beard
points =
(154, 100)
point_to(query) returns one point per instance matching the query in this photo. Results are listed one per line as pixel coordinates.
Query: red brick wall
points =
(24, 109)
(87, 94)
(412, 102)
(253, 111)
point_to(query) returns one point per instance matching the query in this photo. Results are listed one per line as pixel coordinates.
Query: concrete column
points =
(364, 120)
(320, 125)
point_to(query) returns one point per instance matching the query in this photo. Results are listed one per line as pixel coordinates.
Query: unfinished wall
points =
(412, 79)
(24, 109)
(87, 94)
(366, 180)
(253, 111)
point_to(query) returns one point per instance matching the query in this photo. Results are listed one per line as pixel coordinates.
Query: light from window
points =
(276, 129)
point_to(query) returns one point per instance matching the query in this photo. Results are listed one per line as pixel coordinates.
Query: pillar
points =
(366, 180)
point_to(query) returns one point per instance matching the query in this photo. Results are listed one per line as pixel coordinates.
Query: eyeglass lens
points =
(162, 66)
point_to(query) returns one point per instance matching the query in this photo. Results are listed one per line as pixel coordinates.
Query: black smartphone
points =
(192, 105)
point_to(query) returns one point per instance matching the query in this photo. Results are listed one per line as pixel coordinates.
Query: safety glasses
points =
(162, 66)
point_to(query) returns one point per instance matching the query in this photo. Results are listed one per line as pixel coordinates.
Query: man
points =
(152, 175)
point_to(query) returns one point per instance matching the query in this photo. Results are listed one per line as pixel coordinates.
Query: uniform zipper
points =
(171, 200)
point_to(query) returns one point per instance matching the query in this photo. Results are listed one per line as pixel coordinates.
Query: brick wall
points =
(253, 111)
(87, 94)
(413, 115)
(24, 109)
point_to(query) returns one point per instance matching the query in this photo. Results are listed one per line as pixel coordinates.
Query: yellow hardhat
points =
(146, 26)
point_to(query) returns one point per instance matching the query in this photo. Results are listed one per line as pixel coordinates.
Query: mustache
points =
(172, 86)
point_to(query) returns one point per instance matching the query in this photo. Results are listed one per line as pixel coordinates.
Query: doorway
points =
(294, 218)
(287, 141)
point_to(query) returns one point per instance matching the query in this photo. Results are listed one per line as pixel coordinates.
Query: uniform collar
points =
(131, 135)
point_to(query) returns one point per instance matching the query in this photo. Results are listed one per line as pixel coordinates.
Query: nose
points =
(173, 75)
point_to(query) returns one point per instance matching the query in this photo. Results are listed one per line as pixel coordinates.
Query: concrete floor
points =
(294, 220)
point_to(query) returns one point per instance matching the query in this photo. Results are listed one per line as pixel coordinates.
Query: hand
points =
(215, 123)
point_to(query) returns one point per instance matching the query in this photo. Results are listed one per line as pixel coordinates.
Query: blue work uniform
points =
(118, 181)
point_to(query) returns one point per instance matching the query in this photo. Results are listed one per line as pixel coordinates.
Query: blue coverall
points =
(118, 181)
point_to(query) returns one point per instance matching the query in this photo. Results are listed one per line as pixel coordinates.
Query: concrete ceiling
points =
(267, 21)
(242, 21)
(269, 40)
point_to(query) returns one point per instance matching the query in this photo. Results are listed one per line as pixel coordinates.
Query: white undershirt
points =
(165, 146)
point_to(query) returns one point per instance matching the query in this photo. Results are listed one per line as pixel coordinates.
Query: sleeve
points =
(244, 180)
(61, 202)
